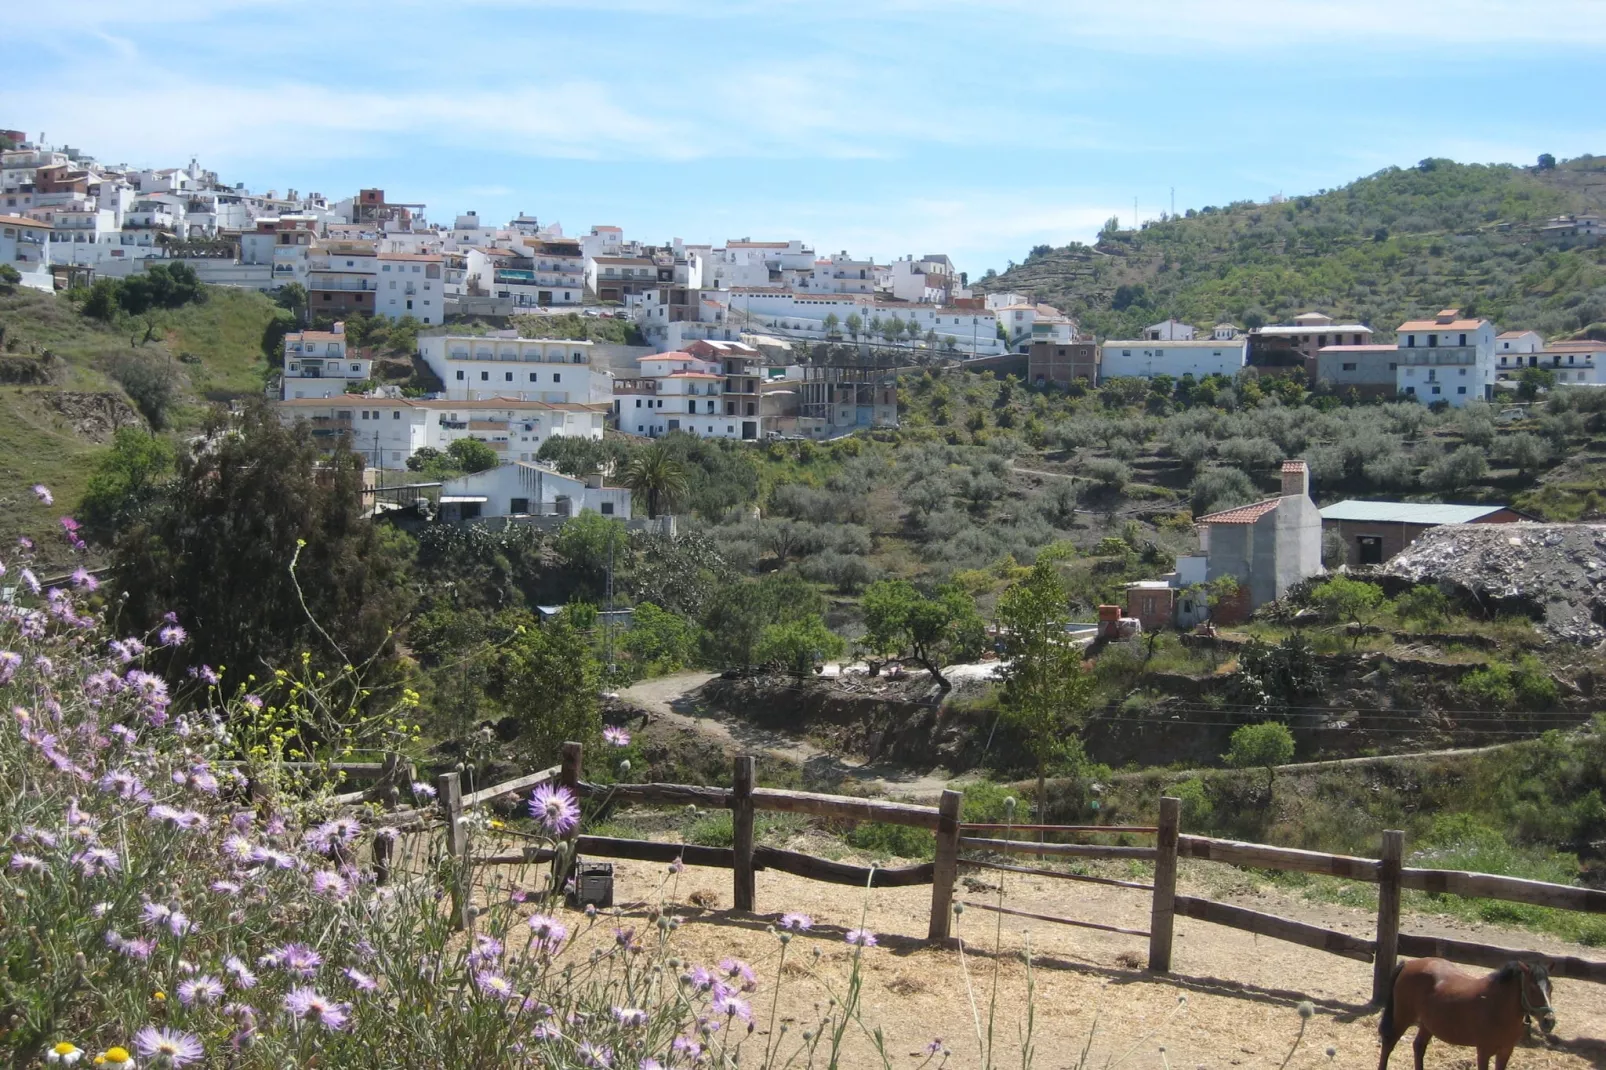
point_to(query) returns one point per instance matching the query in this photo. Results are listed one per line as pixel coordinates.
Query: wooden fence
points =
(744, 858)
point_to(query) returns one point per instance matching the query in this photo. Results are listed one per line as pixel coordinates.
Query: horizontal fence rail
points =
(952, 835)
(1261, 924)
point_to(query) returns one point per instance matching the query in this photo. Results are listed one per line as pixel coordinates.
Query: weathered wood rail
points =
(745, 858)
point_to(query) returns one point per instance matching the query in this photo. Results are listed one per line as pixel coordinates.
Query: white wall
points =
(1144, 360)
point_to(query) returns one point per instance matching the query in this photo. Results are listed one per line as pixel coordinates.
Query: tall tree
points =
(656, 473)
(1046, 692)
(552, 681)
(215, 546)
(933, 629)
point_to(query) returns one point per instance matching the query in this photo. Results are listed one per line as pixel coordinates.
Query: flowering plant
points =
(171, 895)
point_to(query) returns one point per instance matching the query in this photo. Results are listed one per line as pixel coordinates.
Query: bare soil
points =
(1230, 1002)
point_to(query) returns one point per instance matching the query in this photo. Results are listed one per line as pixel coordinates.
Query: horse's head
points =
(1536, 995)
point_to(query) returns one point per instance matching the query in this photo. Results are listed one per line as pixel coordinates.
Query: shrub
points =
(1220, 488)
(895, 841)
(1426, 603)
(152, 380)
(472, 455)
(1266, 745)
(1108, 474)
(1198, 811)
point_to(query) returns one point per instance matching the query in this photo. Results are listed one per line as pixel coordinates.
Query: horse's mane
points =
(1510, 971)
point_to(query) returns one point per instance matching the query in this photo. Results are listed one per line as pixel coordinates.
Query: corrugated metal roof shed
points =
(1408, 512)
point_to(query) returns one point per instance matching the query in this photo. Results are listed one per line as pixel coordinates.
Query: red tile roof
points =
(1244, 514)
(1293, 466)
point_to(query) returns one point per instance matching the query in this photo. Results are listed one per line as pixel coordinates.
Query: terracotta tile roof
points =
(1438, 325)
(1244, 514)
(1293, 466)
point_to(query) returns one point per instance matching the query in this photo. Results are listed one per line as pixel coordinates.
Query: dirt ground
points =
(1231, 1001)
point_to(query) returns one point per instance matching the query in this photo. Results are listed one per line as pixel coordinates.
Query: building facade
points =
(1448, 358)
(1373, 532)
(1060, 364)
(1268, 547)
(318, 365)
(1140, 359)
(501, 364)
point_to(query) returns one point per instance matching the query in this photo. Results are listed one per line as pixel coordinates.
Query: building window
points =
(556, 378)
(535, 377)
(1349, 367)
(518, 505)
(460, 375)
(607, 508)
(1410, 341)
(396, 415)
(1369, 549)
(485, 377)
(1433, 341)
(508, 376)
(1463, 340)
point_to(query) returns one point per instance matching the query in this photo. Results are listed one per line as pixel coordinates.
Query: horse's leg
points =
(1483, 1058)
(1502, 1057)
(1420, 1047)
(1388, 1047)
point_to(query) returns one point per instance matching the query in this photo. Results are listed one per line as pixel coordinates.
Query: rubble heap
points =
(1555, 573)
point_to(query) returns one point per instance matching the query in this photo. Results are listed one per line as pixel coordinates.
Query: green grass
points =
(218, 345)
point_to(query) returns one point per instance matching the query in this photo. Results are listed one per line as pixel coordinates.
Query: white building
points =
(1144, 359)
(1572, 363)
(387, 431)
(969, 330)
(318, 365)
(411, 284)
(996, 301)
(711, 389)
(1512, 342)
(1168, 331)
(503, 365)
(1447, 359)
(930, 280)
(839, 274)
(525, 488)
(25, 245)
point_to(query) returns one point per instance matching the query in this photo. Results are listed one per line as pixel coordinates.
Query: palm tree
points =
(655, 472)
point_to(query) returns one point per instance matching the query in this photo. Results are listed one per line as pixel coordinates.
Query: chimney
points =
(1296, 479)
(340, 328)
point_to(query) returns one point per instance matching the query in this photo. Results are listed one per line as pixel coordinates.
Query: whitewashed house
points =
(502, 364)
(1170, 330)
(528, 489)
(1448, 358)
(1144, 359)
(318, 365)
(411, 284)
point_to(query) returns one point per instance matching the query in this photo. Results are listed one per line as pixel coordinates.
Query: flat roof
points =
(1408, 512)
(1321, 328)
(462, 499)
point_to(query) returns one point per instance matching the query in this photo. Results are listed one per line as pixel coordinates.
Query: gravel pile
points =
(1553, 572)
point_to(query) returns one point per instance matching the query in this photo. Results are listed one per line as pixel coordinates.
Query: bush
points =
(894, 841)
(1220, 488)
(1266, 745)
(1109, 475)
(1198, 811)
(472, 455)
(152, 380)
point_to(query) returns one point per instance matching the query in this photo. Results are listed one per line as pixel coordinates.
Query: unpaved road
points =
(669, 703)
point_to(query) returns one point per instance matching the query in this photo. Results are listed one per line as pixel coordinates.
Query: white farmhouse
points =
(502, 364)
(1144, 359)
(387, 431)
(1170, 330)
(1447, 358)
(317, 364)
(711, 389)
(25, 245)
(524, 488)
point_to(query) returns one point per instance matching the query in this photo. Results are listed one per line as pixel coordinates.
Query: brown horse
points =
(1486, 1013)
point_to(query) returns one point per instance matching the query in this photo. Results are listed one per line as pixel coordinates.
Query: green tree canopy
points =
(126, 477)
(472, 455)
(933, 629)
(1266, 745)
(551, 683)
(215, 547)
(655, 473)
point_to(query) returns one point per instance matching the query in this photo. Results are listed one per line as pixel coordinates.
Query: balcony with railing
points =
(347, 285)
(1438, 355)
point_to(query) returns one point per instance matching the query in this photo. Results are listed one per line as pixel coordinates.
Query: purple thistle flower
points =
(124, 785)
(424, 790)
(686, 1048)
(362, 982)
(700, 978)
(85, 579)
(8, 665)
(494, 985)
(168, 1047)
(97, 861)
(556, 809)
(45, 666)
(800, 923)
(861, 938)
(298, 959)
(229, 888)
(649, 1063)
(595, 1056)
(618, 737)
(22, 863)
(198, 778)
(140, 949)
(172, 635)
(306, 1005)
(34, 836)
(737, 970)
(549, 933)
(630, 1017)
(728, 1004)
(486, 949)
(935, 1047)
(237, 969)
(208, 676)
(42, 492)
(154, 914)
(29, 580)
(205, 989)
(328, 884)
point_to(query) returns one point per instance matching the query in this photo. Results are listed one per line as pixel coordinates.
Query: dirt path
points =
(670, 705)
(1241, 991)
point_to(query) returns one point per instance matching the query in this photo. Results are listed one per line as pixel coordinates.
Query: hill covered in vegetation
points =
(1396, 244)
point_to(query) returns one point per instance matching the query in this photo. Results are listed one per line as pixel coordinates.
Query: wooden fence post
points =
(569, 774)
(384, 846)
(946, 867)
(742, 833)
(449, 787)
(1388, 916)
(1163, 912)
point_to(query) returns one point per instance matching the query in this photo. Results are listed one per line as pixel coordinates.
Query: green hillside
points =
(60, 399)
(1397, 244)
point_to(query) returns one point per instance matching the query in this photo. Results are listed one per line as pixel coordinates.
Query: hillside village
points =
(393, 573)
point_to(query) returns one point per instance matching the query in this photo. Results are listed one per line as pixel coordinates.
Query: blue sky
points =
(883, 127)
